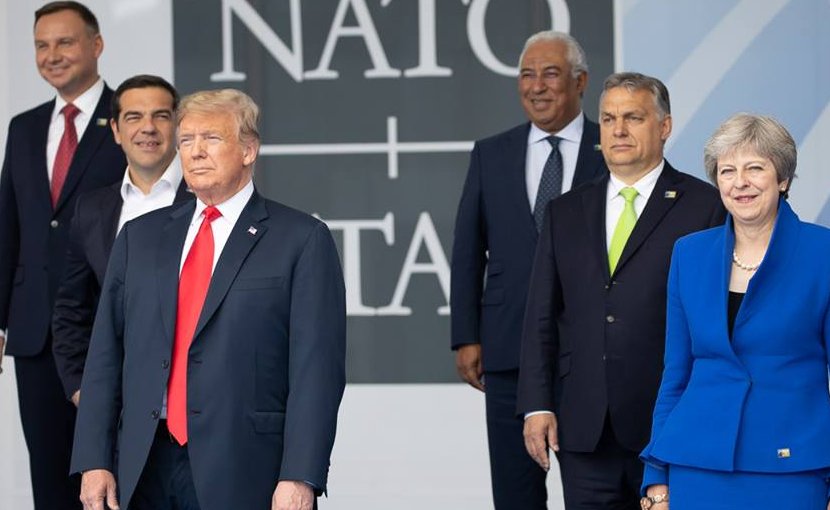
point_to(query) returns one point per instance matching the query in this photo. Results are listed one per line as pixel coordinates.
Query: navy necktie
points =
(550, 186)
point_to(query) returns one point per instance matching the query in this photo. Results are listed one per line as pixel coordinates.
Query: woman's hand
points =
(659, 489)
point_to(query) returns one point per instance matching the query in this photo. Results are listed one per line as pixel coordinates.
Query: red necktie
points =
(66, 149)
(193, 287)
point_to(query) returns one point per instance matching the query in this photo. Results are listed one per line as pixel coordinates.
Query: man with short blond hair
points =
(220, 382)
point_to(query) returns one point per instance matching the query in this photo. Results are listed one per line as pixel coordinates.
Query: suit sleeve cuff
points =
(654, 475)
(534, 413)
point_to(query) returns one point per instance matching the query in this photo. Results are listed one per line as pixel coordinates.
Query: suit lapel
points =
(247, 231)
(594, 202)
(589, 162)
(111, 215)
(168, 262)
(666, 193)
(183, 193)
(517, 149)
(92, 138)
(37, 146)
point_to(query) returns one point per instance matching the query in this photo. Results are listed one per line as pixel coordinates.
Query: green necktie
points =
(625, 225)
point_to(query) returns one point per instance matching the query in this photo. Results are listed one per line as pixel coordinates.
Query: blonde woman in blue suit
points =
(742, 418)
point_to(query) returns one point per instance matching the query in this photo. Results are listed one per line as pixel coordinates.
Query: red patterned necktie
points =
(66, 149)
(193, 287)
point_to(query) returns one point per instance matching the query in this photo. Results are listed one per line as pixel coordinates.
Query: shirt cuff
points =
(534, 413)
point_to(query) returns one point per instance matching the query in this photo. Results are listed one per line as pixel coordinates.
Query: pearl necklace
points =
(745, 267)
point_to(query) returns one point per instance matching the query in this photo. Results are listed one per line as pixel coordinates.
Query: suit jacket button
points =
(165, 364)
(155, 414)
(54, 223)
(609, 319)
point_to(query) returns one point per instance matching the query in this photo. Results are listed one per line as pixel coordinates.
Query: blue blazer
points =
(34, 235)
(266, 369)
(495, 232)
(760, 401)
(91, 235)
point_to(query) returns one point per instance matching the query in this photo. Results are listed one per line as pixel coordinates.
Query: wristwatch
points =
(649, 501)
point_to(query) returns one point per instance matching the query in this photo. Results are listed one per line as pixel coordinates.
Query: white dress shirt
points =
(615, 203)
(539, 149)
(221, 226)
(162, 193)
(86, 103)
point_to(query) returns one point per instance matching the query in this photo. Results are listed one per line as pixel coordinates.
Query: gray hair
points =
(637, 81)
(575, 55)
(232, 101)
(758, 133)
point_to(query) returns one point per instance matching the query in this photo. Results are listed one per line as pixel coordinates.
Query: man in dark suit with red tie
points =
(217, 359)
(54, 152)
(512, 177)
(144, 124)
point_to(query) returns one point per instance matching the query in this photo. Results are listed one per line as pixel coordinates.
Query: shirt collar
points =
(571, 133)
(86, 102)
(171, 178)
(230, 208)
(644, 186)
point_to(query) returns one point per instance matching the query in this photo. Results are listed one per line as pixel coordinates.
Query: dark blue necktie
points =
(550, 186)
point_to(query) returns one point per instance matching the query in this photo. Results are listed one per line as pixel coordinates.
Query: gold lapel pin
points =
(100, 121)
(670, 194)
(783, 453)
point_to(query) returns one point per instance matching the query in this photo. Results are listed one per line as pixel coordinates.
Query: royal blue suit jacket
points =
(758, 402)
(33, 234)
(593, 341)
(266, 369)
(495, 238)
(91, 235)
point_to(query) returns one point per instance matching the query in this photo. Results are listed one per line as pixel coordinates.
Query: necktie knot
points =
(70, 111)
(629, 194)
(553, 141)
(211, 213)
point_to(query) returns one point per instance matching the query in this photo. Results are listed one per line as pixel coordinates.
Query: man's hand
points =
(468, 364)
(540, 434)
(76, 398)
(98, 486)
(292, 495)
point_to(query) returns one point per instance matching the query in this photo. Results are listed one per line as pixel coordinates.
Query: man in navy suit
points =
(54, 153)
(217, 359)
(511, 178)
(143, 123)
(594, 329)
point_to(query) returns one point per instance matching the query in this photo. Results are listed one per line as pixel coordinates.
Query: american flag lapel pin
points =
(252, 230)
(670, 194)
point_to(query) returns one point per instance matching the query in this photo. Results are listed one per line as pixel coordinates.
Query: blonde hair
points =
(232, 101)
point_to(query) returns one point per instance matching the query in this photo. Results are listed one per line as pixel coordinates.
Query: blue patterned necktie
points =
(550, 186)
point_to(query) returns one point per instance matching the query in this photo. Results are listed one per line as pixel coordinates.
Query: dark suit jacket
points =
(33, 235)
(495, 231)
(266, 368)
(731, 404)
(593, 342)
(91, 235)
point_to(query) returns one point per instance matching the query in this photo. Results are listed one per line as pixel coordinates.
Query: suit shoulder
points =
(817, 234)
(32, 114)
(700, 239)
(291, 216)
(519, 131)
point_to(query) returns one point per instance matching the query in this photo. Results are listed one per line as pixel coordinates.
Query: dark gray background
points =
(473, 103)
